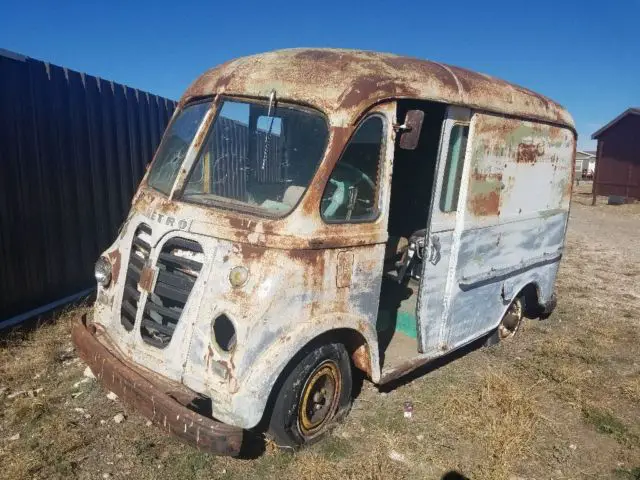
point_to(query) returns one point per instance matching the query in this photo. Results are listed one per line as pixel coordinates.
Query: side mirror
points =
(410, 130)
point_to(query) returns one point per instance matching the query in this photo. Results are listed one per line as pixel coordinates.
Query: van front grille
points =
(140, 249)
(179, 264)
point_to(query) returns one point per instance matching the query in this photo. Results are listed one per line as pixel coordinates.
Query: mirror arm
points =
(401, 128)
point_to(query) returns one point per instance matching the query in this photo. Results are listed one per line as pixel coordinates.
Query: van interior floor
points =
(396, 323)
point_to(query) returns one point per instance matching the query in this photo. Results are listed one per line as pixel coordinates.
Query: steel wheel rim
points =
(511, 320)
(320, 396)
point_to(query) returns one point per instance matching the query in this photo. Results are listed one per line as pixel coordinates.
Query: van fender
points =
(250, 400)
(541, 281)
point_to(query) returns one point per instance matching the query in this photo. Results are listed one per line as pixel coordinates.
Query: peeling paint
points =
(306, 278)
(344, 83)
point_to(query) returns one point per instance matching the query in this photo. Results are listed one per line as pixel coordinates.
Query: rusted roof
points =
(628, 111)
(343, 83)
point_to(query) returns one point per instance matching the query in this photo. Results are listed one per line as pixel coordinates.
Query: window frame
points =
(230, 204)
(381, 167)
(177, 112)
(463, 153)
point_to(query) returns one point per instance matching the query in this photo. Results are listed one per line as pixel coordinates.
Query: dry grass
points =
(499, 413)
(561, 401)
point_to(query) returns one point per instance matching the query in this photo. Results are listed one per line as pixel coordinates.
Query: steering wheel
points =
(220, 172)
(345, 179)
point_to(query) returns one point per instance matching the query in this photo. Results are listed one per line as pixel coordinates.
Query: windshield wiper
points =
(272, 100)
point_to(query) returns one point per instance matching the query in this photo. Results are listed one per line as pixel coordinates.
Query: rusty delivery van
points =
(310, 212)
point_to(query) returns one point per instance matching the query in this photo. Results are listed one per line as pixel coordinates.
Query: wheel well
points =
(356, 346)
(531, 294)
(354, 342)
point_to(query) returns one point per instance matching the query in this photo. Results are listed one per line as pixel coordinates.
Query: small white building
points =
(585, 164)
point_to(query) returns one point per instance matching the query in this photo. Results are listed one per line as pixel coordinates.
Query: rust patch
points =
(495, 129)
(485, 204)
(310, 258)
(208, 356)
(362, 326)
(344, 269)
(144, 201)
(147, 278)
(200, 137)
(338, 137)
(486, 177)
(115, 258)
(167, 207)
(366, 87)
(322, 56)
(313, 267)
(529, 152)
(484, 193)
(361, 359)
(222, 82)
(238, 223)
(403, 369)
(251, 252)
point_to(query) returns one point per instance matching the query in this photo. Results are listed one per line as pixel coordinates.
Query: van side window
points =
(453, 169)
(351, 193)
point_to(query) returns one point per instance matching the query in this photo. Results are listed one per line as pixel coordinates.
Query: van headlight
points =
(102, 271)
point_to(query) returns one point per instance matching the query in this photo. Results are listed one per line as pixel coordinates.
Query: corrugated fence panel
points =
(73, 148)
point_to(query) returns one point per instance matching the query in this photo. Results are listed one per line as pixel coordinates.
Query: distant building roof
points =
(586, 153)
(628, 111)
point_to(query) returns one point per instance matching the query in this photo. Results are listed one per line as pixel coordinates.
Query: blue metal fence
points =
(73, 148)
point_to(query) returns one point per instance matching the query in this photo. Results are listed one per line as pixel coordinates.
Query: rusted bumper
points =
(150, 400)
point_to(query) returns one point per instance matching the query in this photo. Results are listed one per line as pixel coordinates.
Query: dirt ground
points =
(562, 400)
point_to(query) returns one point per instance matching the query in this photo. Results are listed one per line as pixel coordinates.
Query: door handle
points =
(433, 250)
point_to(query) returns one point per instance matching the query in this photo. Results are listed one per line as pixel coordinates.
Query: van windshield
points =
(255, 161)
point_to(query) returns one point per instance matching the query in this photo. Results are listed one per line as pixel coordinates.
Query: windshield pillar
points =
(192, 152)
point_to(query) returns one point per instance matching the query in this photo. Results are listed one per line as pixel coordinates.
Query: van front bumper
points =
(149, 396)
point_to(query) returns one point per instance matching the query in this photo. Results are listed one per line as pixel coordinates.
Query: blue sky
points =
(583, 54)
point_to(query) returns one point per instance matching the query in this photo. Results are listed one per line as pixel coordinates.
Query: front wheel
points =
(313, 397)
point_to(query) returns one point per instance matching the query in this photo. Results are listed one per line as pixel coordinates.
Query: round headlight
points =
(238, 276)
(102, 271)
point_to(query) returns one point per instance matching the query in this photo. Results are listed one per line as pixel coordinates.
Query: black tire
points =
(500, 334)
(290, 426)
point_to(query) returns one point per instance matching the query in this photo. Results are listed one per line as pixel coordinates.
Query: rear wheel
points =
(509, 324)
(313, 397)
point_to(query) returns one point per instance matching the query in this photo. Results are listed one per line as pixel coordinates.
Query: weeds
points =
(606, 422)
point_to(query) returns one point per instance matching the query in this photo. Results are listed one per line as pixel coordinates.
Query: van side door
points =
(440, 252)
(498, 221)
